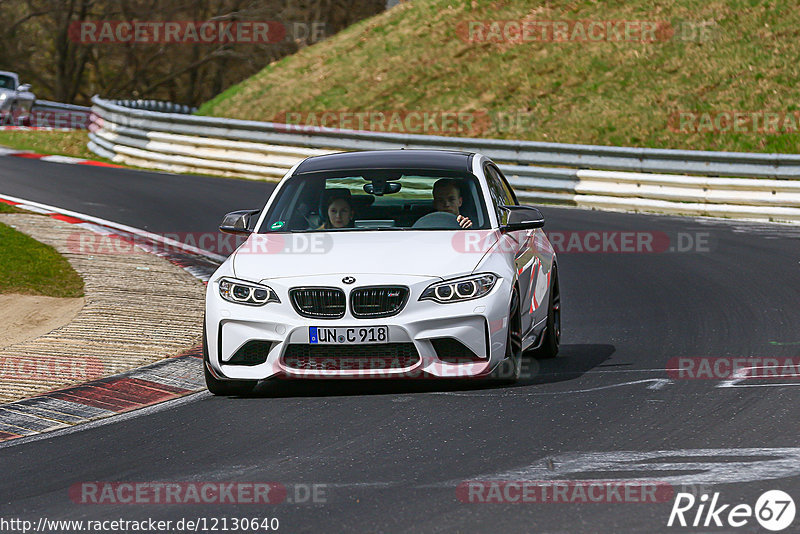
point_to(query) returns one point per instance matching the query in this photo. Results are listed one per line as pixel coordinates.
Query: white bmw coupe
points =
(383, 264)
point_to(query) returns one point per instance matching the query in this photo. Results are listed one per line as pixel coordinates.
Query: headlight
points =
(460, 289)
(249, 293)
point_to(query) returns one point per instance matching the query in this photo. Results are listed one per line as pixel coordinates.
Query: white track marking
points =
(130, 229)
(699, 466)
(743, 374)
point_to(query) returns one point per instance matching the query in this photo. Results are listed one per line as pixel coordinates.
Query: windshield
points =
(377, 200)
(7, 82)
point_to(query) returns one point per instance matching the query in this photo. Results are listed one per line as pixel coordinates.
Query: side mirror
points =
(239, 222)
(24, 88)
(522, 218)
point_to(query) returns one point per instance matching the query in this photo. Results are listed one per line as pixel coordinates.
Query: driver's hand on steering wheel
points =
(464, 222)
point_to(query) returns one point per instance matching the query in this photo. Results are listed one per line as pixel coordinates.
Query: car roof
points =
(8, 73)
(445, 160)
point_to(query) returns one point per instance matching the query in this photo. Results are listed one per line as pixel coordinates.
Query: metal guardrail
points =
(45, 114)
(743, 185)
(47, 104)
(162, 106)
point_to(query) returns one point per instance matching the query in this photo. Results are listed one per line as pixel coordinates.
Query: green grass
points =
(5, 208)
(33, 268)
(411, 58)
(70, 143)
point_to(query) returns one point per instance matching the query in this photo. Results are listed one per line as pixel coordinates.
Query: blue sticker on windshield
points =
(277, 225)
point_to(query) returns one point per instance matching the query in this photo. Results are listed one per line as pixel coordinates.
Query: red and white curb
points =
(55, 158)
(152, 384)
(98, 399)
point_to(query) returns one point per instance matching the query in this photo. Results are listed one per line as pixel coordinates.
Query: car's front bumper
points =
(480, 325)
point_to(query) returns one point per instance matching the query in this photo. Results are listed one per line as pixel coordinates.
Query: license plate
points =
(359, 335)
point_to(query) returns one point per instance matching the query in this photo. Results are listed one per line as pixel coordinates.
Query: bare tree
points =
(39, 44)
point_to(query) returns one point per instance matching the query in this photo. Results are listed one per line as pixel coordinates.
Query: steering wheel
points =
(438, 219)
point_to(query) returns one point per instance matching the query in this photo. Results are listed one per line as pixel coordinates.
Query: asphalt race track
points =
(389, 457)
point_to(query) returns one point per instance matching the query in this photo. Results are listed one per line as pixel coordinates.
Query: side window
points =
(498, 192)
(511, 198)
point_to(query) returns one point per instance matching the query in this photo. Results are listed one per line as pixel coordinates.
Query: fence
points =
(726, 184)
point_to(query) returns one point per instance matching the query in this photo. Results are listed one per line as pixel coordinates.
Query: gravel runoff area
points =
(24, 317)
(139, 308)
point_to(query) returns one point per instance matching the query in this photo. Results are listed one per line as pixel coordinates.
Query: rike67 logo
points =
(774, 510)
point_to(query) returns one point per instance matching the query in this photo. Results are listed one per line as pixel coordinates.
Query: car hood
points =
(401, 252)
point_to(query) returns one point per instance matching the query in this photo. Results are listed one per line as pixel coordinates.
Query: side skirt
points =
(534, 336)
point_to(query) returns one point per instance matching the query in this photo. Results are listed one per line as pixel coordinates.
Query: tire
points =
(226, 388)
(552, 334)
(509, 370)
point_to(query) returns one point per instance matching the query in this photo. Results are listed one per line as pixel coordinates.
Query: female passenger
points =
(338, 211)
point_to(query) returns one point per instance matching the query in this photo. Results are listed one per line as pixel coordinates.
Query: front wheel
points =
(227, 388)
(509, 370)
(552, 333)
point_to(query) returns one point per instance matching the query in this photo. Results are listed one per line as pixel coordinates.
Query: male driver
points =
(447, 197)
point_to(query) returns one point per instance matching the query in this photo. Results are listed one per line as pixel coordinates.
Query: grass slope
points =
(70, 143)
(610, 93)
(33, 268)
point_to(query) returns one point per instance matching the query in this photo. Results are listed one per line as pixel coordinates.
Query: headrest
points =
(336, 192)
